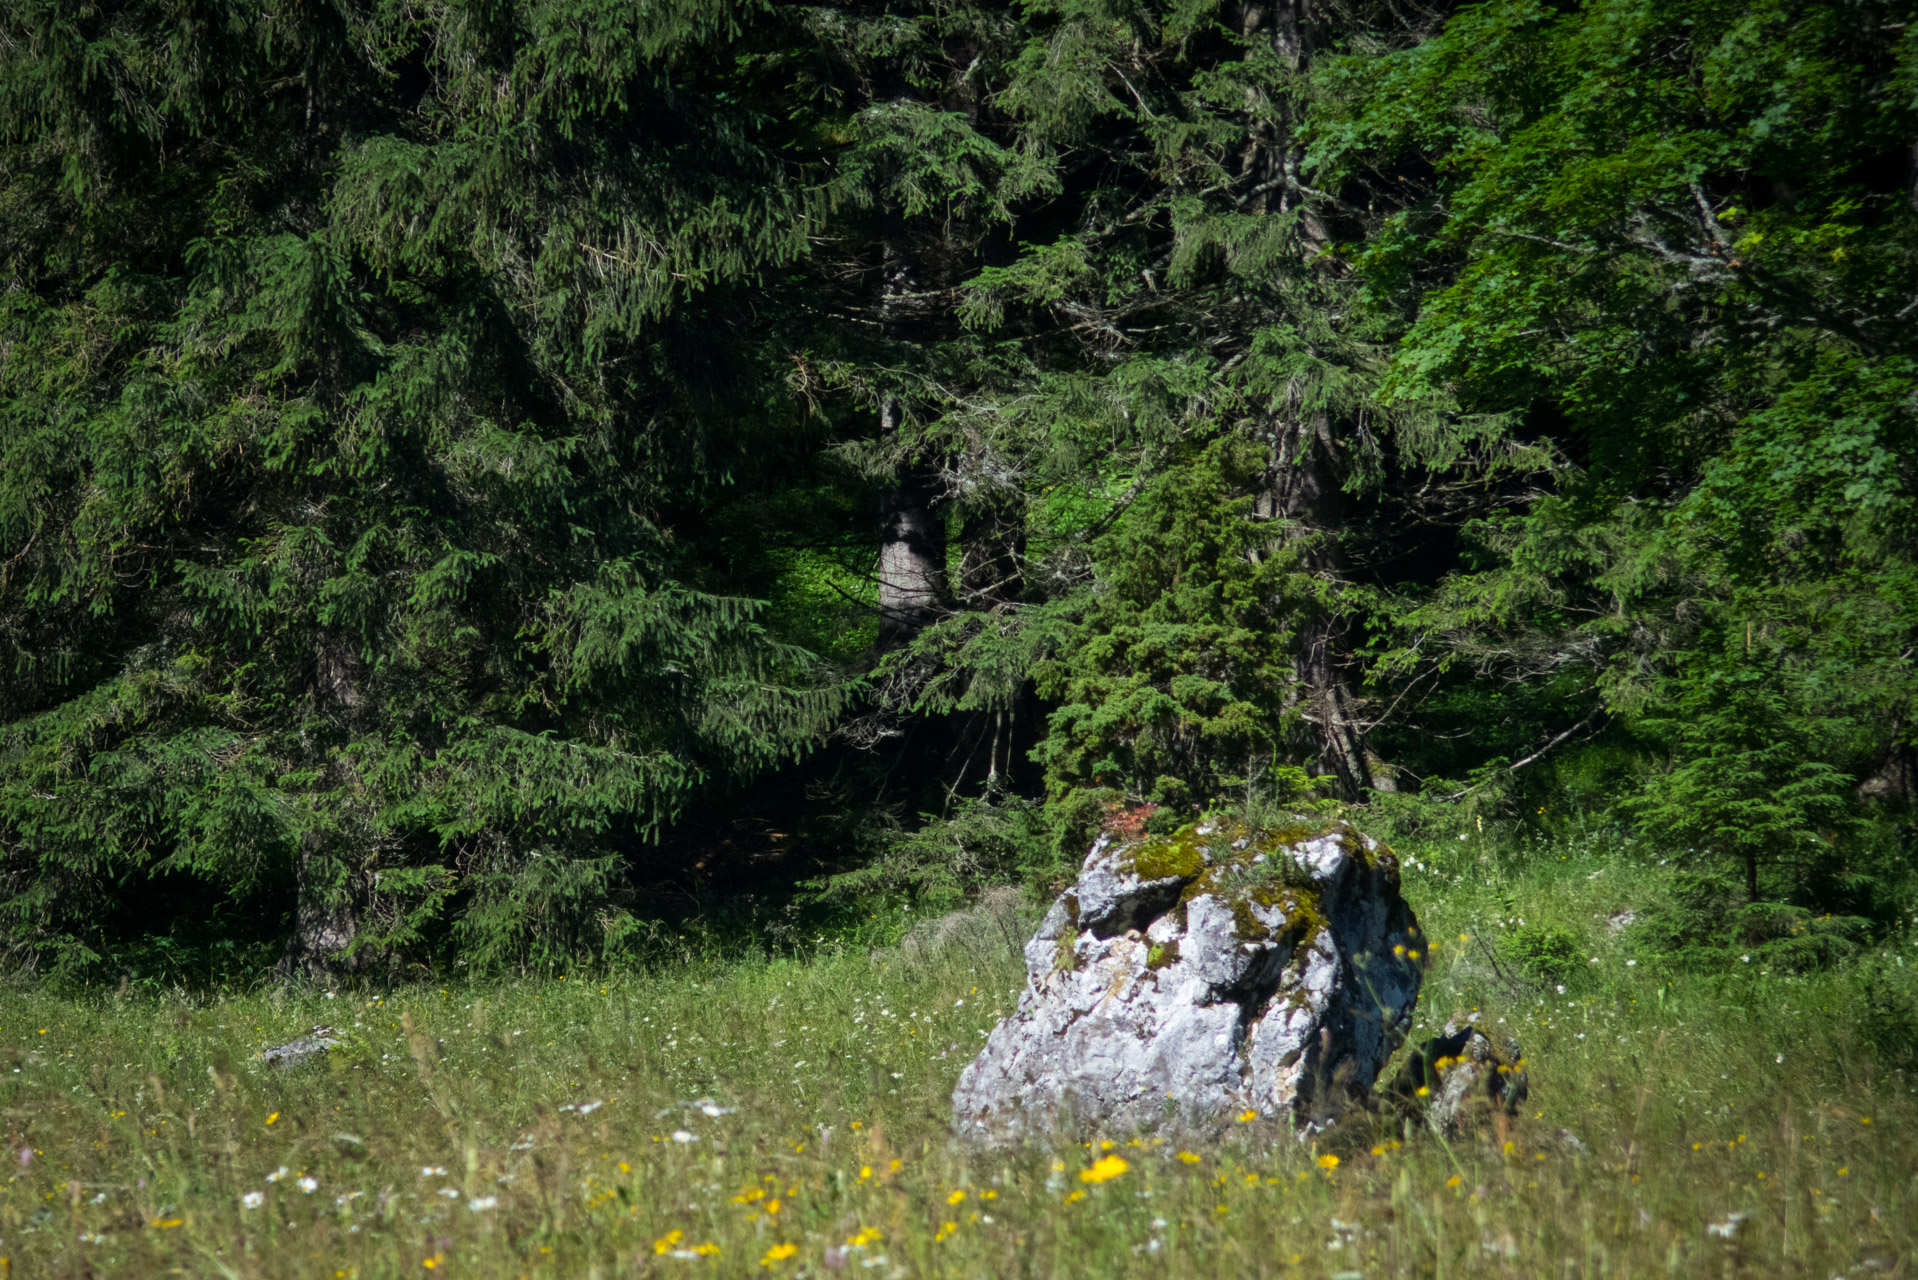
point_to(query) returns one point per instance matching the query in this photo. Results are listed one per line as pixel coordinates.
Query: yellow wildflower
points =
(1104, 1170)
(1188, 1157)
(1328, 1162)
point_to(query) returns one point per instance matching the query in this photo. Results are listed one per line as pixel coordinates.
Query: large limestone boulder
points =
(1184, 981)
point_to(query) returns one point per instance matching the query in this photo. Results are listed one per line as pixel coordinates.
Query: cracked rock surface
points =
(1183, 981)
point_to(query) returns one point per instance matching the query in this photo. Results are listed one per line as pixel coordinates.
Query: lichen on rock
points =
(1190, 979)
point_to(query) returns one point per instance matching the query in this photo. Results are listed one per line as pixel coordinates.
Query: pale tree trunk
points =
(1895, 781)
(912, 551)
(913, 590)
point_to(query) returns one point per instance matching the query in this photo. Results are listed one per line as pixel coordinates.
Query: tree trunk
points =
(1895, 782)
(324, 923)
(1302, 483)
(1302, 491)
(326, 918)
(912, 550)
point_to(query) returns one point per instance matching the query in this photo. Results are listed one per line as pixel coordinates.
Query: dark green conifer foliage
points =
(440, 445)
(355, 362)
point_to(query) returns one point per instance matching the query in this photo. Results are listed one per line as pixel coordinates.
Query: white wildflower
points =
(682, 1135)
(253, 1199)
(480, 1204)
(308, 1184)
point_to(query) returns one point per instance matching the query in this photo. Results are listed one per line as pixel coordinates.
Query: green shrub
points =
(1542, 951)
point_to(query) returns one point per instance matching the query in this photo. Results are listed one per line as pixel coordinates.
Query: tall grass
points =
(789, 1116)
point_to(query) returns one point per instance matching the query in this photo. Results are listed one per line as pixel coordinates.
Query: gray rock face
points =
(1460, 1078)
(1188, 980)
(305, 1048)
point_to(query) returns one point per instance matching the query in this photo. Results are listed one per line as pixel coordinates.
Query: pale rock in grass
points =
(1460, 1078)
(1189, 980)
(307, 1047)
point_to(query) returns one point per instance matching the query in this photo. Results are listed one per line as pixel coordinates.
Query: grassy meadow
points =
(787, 1117)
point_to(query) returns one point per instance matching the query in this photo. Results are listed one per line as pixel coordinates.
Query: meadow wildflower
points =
(253, 1199)
(480, 1204)
(1103, 1170)
(778, 1253)
(1328, 1162)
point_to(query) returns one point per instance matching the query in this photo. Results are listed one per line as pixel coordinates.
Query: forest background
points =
(501, 487)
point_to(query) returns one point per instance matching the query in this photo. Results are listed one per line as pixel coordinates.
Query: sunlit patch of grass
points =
(790, 1118)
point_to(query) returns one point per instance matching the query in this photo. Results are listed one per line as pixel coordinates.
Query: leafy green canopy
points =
(1678, 242)
(354, 363)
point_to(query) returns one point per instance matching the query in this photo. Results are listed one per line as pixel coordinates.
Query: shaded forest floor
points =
(788, 1116)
